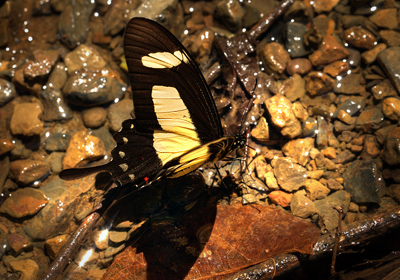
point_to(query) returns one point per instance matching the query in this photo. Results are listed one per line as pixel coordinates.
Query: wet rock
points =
(100, 238)
(325, 130)
(55, 108)
(293, 88)
(315, 190)
(294, 39)
(318, 83)
(39, 68)
(74, 22)
(84, 57)
(19, 243)
(388, 59)
(119, 112)
(280, 198)
(301, 206)
(96, 27)
(327, 212)
(28, 268)
(299, 111)
(3, 239)
(390, 37)
(118, 236)
(359, 37)
(26, 171)
(6, 146)
(111, 251)
(290, 176)
(7, 92)
(57, 217)
(370, 56)
(328, 51)
(383, 132)
(83, 148)
(344, 157)
(334, 185)
(57, 142)
(309, 127)
(54, 245)
(298, 66)
(369, 120)
(282, 116)
(54, 161)
(261, 130)
(57, 77)
(337, 68)
(90, 88)
(383, 89)
(351, 106)
(391, 108)
(299, 150)
(230, 13)
(321, 6)
(26, 119)
(350, 84)
(385, 18)
(24, 202)
(344, 117)
(105, 136)
(371, 147)
(364, 182)
(270, 180)
(391, 147)
(274, 57)
(94, 117)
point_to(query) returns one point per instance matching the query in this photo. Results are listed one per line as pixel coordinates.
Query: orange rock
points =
(336, 68)
(26, 119)
(280, 198)
(329, 50)
(6, 146)
(359, 37)
(83, 148)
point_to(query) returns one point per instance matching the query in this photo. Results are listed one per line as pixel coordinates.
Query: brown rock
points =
(28, 268)
(299, 149)
(300, 112)
(359, 37)
(54, 245)
(391, 148)
(344, 117)
(26, 119)
(323, 5)
(100, 238)
(385, 18)
(24, 202)
(394, 192)
(270, 181)
(315, 190)
(274, 57)
(40, 67)
(290, 176)
(119, 112)
(369, 120)
(301, 206)
(371, 146)
(261, 130)
(391, 108)
(390, 37)
(6, 146)
(370, 56)
(350, 84)
(293, 88)
(383, 89)
(282, 116)
(118, 236)
(83, 148)
(328, 51)
(280, 198)
(19, 243)
(94, 117)
(84, 57)
(318, 83)
(317, 174)
(298, 66)
(336, 68)
(383, 132)
(334, 185)
(329, 152)
(26, 171)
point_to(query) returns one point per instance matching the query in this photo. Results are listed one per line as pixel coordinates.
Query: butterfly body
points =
(177, 127)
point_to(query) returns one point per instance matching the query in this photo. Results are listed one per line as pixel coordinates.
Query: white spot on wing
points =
(124, 167)
(125, 139)
(162, 60)
(121, 154)
(132, 177)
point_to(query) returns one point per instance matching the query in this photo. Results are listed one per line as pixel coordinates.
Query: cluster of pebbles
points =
(332, 102)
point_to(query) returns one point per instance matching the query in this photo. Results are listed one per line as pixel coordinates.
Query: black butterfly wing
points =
(174, 109)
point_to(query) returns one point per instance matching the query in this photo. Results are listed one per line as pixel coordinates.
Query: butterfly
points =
(176, 128)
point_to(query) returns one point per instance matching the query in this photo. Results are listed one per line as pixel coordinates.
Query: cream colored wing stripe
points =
(164, 59)
(178, 133)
